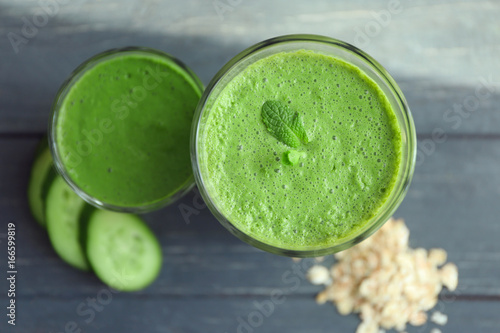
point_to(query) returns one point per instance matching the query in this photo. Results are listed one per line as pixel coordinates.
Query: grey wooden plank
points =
(438, 65)
(126, 313)
(452, 203)
(433, 107)
(452, 108)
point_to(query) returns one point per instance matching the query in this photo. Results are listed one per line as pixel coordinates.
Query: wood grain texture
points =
(128, 314)
(438, 65)
(452, 203)
(442, 54)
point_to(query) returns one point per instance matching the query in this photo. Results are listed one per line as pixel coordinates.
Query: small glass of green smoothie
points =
(120, 128)
(303, 145)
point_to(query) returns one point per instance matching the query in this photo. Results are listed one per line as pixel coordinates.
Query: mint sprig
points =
(292, 157)
(284, 124)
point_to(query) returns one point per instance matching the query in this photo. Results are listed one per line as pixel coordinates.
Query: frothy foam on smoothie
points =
(350, 164)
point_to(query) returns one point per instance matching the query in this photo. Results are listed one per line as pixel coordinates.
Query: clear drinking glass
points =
(337, 49)
(56, 110)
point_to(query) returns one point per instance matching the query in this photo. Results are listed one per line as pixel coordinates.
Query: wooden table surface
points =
(444, 55)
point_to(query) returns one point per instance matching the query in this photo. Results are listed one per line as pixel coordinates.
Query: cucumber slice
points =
(39, 172)
(122, 250)
(63, 209)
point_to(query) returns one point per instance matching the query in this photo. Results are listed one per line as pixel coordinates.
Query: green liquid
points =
(123, 129)
(350, 165)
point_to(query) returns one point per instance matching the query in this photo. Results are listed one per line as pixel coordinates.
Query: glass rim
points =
(56, 106)
(407, 128)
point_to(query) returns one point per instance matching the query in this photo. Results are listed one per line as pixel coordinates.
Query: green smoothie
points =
(122, 129)
(322, 192)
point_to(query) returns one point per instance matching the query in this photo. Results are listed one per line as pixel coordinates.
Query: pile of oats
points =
(387, 282)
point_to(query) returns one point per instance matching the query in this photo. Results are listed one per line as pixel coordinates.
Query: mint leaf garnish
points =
(284, 124)
(292, 157)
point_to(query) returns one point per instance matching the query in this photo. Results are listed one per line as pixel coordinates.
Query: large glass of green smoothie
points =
(303, 145)
(120, 127)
